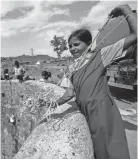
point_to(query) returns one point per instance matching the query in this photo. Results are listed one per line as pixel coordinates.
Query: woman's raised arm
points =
(125, 10)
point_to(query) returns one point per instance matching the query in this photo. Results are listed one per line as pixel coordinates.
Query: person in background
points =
(53, 78)
(2, 78)
(89, 85)
(48, 78)
(44, 78)
(6, 75)
(19, 72)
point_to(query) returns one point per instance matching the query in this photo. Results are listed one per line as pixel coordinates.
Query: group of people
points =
(88, 83)
(19, 73)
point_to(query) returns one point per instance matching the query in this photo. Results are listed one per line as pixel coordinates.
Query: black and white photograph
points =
(68, 79)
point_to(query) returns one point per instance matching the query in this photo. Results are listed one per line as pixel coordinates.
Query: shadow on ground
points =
(130, 126)
(123, 94)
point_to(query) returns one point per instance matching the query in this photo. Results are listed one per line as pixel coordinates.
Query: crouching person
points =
(6, 75)
(48, 78)
(19, 72)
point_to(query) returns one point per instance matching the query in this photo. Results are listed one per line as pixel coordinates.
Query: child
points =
(6, 75)
(47, 77)
(89, 84)
(19, 71)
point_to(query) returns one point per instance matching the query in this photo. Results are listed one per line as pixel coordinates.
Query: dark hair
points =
(83, 35)
(6, 71)
(16, 63)
(49, 74)
(44, 73)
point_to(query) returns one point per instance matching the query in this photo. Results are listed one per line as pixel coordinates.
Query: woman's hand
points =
(51, 104)
(120, 10)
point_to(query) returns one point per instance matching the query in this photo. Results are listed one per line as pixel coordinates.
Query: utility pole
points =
(32, 52)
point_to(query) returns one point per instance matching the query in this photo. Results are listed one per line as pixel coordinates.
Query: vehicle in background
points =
(121, 73)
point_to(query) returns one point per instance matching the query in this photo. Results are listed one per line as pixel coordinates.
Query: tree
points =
(59, 44)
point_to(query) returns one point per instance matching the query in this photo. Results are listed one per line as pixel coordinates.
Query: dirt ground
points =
(125, 100)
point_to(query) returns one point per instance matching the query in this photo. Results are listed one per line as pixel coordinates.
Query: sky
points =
(32, 24)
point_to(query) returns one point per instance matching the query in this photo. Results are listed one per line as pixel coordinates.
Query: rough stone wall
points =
(64, 135)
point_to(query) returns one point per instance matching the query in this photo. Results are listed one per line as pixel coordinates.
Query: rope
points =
(113, 29)
(86, 51)
(106, 22)
(12, 114)
(100, 43)
(48, 113)
(52, 100)
(108, 19)
(62, 120)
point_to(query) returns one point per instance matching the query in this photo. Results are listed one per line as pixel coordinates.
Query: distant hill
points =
(8, 62)
(27, 58)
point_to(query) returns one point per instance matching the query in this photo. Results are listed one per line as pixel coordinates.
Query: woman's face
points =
(77, 47)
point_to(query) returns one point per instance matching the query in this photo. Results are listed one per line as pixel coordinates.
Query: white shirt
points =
(18, 71)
